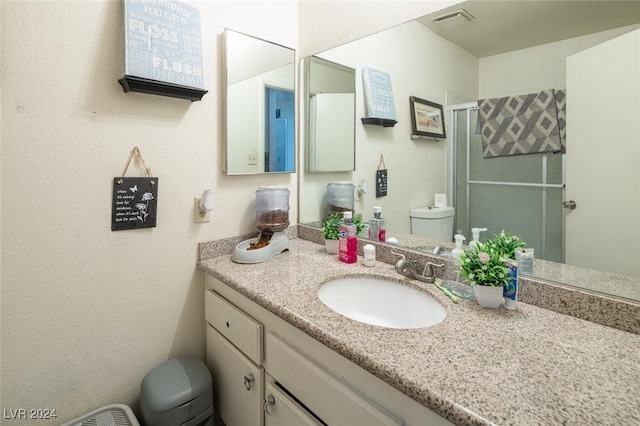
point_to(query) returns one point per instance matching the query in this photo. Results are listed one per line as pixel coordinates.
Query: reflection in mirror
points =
(330, 93)
(260, 107)
(464, 75)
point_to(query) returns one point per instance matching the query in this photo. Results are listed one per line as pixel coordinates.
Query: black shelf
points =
(153, 87)
(384, 122)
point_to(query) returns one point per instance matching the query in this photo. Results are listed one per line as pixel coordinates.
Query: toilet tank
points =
(433, 222)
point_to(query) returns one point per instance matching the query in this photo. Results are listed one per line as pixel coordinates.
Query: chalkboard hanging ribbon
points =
(381, 178)
(135, 151)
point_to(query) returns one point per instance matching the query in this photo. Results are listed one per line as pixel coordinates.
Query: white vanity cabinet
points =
(237, 382)
(281, 409)
(296, 379)
(234, 355)
(242, 397)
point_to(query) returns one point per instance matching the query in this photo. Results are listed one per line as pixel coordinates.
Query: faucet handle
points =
(428, 268)
(404, 267)
(399, 254)
(401, 261)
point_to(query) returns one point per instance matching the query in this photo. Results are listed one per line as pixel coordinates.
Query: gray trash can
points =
(178, 392)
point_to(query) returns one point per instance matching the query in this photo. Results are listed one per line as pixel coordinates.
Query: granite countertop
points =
(588, 279)
(530, 366)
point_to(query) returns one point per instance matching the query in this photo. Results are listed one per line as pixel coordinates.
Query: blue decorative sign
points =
(378, 94)
(163, 48)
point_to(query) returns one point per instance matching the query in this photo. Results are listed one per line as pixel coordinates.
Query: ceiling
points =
(503, 26)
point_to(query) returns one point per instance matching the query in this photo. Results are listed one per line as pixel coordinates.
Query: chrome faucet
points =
(410, 269)
(404, 267)
(438, 250)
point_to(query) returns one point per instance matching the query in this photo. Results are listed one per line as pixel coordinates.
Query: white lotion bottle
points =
(473, 244)
(456, 253)
(369, 254)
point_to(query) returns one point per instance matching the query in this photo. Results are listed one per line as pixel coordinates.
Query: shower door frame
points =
(453, 164)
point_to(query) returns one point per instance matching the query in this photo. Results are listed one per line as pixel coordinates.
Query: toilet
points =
(433, 222)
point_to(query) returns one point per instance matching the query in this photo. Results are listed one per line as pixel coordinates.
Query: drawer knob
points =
(248, 380)
(268, 403)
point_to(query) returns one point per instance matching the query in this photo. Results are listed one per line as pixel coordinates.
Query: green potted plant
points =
(485, 269)
(331, 227)
(505, 244)
(330, 230)
(359, 223)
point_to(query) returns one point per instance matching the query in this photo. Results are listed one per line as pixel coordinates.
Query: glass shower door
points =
(521, 194)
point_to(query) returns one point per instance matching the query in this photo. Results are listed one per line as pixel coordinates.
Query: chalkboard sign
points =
(381, 183)
(135, 202)
(163, 49)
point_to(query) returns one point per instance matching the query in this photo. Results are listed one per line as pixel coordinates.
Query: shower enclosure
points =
(521, 194)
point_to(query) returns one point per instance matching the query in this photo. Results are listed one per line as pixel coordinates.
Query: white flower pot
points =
(487, 296)
(332, 246)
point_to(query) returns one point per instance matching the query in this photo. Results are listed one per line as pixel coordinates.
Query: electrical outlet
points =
(252, 158)
(200, 216)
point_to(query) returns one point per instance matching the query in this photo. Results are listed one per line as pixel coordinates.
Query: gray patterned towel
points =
(525, 124)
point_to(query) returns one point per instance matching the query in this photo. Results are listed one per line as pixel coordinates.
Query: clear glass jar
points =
(340, 197)
(272, 208)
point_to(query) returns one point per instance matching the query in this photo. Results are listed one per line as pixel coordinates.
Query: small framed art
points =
(427, 118)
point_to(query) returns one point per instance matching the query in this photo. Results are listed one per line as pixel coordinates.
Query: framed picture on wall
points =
(427, 118)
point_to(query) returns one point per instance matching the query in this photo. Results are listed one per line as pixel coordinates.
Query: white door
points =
(603, 156)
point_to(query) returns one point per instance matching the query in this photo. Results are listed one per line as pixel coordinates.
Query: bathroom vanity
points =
(263, 366)
(280, 356)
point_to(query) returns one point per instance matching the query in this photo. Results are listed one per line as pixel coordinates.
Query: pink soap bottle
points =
(348, 240)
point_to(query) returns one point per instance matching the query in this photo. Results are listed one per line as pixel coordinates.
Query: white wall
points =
(421, 64)
(86, 312)
(537, 68)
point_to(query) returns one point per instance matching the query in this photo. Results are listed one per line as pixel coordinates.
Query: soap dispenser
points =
(377, 226)
(456, 253)
(473, 244)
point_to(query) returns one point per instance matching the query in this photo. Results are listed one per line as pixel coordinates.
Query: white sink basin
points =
(380, 302)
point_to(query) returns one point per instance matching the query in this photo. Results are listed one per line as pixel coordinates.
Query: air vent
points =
(453, 19)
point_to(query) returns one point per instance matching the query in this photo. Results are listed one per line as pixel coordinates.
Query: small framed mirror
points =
(259, 83)
(330, 116)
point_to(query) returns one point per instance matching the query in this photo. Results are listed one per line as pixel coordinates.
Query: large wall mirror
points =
(457, 62)
(329, 93)
(259, 105)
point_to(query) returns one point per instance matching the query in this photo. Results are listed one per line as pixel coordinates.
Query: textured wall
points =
(86, 312)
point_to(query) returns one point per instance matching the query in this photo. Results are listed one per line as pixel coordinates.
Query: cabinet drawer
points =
(237, 383)
(282, 410)
(239, 328)
(333, 401)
